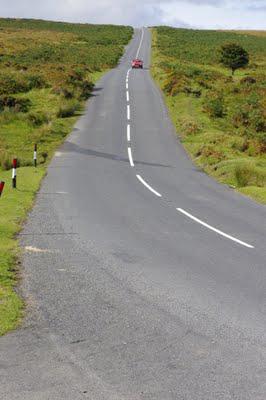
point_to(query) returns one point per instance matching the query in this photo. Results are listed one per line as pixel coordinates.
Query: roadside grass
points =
(47, 72)
(16, 203)
(14, 206)
(233, 155)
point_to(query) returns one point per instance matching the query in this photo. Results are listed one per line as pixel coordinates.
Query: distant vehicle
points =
(137, 63)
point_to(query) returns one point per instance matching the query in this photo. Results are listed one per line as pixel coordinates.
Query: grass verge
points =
(15, 204)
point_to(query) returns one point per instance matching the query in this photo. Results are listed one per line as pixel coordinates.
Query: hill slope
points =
(221, 119)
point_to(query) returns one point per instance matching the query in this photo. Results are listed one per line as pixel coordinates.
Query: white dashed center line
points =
(141, 40)
(128, 112)
(128, 133)
(148, 186)
(214, 229)
(130, 157)
(127, 96)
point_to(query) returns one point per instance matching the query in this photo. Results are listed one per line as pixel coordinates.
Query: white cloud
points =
(197, 13)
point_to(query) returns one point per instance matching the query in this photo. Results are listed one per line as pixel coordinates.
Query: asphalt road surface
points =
(144, 278)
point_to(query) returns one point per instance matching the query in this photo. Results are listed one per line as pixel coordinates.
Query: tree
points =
(234, 56)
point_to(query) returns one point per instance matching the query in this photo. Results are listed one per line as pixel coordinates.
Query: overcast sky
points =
(229, 14)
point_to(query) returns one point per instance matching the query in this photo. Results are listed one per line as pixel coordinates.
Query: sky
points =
(207, 14)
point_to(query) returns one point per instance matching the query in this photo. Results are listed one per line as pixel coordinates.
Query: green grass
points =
(230, 147)
(14, 205)
(54, 67)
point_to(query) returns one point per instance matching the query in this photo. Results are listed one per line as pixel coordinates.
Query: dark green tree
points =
(233, 56)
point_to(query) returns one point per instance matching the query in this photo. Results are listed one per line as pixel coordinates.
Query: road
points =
(145, 279)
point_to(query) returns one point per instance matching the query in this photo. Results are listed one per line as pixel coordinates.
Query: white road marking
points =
(214, 229)
(148, 186)
(37, 250)
(57, 153)
(128, 133)
(154, 191)
(141, 40)
(130, 156)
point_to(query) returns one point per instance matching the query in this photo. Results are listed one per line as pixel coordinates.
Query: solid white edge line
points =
(130, 156)
(127, 96)
(148, 186)
(214, 229)
(128, 112)
(128, 133)
(142, 35)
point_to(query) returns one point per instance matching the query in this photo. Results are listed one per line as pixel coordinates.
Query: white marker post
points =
(35, 155)
(14, 173)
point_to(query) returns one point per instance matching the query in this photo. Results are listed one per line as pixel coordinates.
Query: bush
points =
(12, 83)
(86, 89)
(249, 80)
(76, 76)
(38, 118)
(36, 82)
(66, 92)
(190, 127)
(68, 109)
(17, 104)
(213, 104)
(248, 175)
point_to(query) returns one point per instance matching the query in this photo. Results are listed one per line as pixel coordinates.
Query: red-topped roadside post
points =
(2, 185)
(14, 173)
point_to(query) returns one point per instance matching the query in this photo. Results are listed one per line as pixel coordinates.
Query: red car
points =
(137, 63)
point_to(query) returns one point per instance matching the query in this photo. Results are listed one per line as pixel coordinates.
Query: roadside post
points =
(35, 155)
(2, 185)
(14, 173)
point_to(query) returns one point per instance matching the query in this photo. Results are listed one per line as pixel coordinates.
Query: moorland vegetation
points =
(221, 119)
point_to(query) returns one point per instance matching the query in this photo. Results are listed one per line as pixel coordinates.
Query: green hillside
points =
(221, 119)
(47, 71)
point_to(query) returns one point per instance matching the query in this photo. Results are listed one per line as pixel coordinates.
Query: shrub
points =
(38, 118)
(190, 127)
(36, 81)
(68, 109)
(65, 91)
(12, 83)
(247, 174)
(213, 104)
(44, 155)
(76, 76)
(86, 89)
(243, 175)
(249, 80)
(17, 104)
